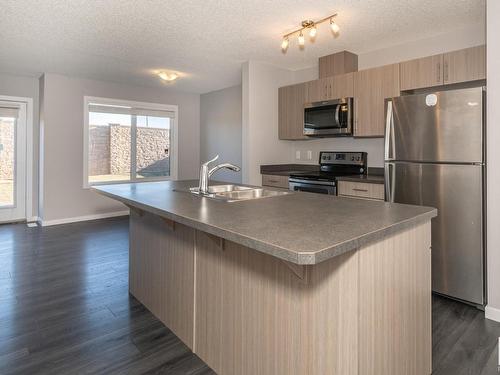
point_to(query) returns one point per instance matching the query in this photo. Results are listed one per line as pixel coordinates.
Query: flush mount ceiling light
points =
(166, 76)
(311, 27)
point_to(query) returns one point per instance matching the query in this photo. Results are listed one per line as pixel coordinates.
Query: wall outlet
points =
(309, 155)
(297, 154)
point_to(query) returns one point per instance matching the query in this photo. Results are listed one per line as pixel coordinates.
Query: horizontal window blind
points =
(9, 112)
(102, 108)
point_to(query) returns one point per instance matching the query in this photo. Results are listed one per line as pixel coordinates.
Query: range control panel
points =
(344, 158)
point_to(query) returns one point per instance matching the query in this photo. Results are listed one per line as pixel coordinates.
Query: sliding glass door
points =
(12, 161)
(128, 143)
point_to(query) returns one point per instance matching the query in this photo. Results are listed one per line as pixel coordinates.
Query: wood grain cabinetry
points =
(161, 272)
(362, 312)
(337, 64)
(291, 101)
(245, 312)
(464, 65)
(275, 181)
(424, 72)
(361, 190)
(330, 88)
(371, 88)
(453, 67)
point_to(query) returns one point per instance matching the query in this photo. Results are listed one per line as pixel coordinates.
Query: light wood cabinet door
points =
(335, 87)
(362, 190)
(291, 101)
(465, 65)
(317, 90)
(420, 73)
(371, 88)
(340, 86)
(275, 181)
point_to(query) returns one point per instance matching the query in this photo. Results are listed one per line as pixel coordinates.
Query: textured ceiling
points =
(205, 40)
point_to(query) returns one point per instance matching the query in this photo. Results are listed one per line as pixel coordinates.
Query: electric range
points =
(332, 165)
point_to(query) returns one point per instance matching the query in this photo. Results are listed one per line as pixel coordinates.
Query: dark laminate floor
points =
(65, 309)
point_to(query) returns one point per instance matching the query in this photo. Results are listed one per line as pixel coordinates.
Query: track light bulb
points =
(335, 28)
(313, 31)
(302, 41)
(284, 44)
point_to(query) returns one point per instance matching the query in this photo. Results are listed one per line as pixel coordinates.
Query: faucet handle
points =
(211, 161)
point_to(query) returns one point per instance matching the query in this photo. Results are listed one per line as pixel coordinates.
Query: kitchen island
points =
(294, 284)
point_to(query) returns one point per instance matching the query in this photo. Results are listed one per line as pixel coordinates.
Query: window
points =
(129, 141)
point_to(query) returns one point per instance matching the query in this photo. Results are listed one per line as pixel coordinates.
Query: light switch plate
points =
(297, 154)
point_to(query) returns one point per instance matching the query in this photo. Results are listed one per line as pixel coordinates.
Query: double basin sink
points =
(236, 193)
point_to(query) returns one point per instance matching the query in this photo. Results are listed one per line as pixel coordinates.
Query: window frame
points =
(173, 152)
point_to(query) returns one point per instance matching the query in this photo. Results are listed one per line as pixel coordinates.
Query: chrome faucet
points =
(205, 173)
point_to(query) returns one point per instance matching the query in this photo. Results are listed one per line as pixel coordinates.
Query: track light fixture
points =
(311, 27)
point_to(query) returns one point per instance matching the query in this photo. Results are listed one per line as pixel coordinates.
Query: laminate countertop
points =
(302, 228)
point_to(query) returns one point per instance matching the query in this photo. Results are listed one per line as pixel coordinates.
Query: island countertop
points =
(302, 228)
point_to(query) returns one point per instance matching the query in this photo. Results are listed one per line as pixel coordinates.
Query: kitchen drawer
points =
(275, 181)
(361, 190)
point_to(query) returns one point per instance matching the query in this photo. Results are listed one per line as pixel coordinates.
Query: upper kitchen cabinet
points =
(337, 64)
(454, 67)
(335, 87)
(291, 101)
(423, 72)
(371, 88)
(464, 65)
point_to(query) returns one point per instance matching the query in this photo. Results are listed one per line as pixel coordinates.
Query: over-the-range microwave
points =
(330, 118)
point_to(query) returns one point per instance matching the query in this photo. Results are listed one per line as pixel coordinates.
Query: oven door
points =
(333, 117)
(320, 187)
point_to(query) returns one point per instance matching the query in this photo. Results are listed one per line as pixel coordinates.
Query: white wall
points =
(493, 159)
(27, 87)
(220, 129)
(63, 196)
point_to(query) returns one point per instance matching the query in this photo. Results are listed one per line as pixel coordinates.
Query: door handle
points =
(388, 128)
(389, 178)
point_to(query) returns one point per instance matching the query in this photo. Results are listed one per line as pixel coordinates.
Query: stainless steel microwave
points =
(329, 118)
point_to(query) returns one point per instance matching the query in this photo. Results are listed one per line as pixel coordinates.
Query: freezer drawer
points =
(438, 127)
(457, 232)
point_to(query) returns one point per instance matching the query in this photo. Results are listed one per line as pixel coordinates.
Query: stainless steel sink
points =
(215, 189)
(236, 193)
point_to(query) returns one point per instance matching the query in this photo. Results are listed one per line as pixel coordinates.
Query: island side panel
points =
(256, 315)
(395, 332)
(161, 274)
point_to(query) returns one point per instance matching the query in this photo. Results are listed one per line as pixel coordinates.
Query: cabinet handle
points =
(445, 71)
(438, 72)
(363, 190)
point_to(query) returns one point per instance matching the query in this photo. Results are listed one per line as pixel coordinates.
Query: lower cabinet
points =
(244, 312)
(277, 181)
(161, 275)
(361, 190)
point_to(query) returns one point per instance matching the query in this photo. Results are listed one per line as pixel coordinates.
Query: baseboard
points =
(492, 313)
(47, 223)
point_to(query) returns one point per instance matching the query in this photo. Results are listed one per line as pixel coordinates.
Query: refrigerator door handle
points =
(390, 177)
(388, 133)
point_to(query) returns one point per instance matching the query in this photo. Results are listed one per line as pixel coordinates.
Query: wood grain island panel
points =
(365, 312)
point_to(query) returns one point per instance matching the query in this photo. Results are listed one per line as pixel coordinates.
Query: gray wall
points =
(12, 85)
(62, 131)
(220, 129)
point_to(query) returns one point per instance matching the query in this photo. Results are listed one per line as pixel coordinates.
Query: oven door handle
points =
(337, 116)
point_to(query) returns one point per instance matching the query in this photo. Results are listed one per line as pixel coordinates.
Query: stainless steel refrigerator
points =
(434, 156)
